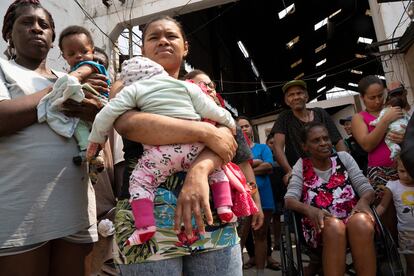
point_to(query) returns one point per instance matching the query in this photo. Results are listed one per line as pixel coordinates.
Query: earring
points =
(11, 53)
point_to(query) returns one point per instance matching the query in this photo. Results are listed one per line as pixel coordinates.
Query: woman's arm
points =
(147, 128)
(297, 206)
(316, 215)
(17, 114)
(153, 129)
(294, 189)
(370, 140)
(293, 195)
(365, 201)
(340, 146)
(385, 202)
(257, 219)
(279, 149)
(261, 168)
(359, 181)
(265, 167)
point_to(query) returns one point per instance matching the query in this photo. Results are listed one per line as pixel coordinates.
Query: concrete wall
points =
(120, 16)
(263, 130)
(110, 20)
(409, 59)
(391, 13)
(385, 17)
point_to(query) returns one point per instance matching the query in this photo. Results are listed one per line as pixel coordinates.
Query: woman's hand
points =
(93, 149)
(363, 206)
(392, 114)
(193, 200)
(286, 178)
(397, 137)
(194, 196)
(221, 141)
(98, 82)
(317, 217)
(258, 218)
(257, 162)
(21, 112)
(85, 110)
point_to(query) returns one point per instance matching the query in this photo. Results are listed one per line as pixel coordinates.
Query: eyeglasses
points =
(210, 85)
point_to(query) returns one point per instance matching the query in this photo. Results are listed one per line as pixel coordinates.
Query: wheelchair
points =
(293, 245)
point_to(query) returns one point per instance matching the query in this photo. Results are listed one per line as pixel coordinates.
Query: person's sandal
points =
(248, 265)
(273, 266)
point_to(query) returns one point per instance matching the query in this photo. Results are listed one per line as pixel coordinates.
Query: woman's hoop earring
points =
(11, 53)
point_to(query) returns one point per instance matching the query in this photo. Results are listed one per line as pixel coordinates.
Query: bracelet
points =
(253, 187)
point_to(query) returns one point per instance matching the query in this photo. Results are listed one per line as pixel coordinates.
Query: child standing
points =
(158, 93)
(402, 192)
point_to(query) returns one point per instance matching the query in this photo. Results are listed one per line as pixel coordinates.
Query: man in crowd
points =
(286, 130)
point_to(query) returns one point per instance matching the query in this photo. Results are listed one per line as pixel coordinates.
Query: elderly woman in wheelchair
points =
(334, 197)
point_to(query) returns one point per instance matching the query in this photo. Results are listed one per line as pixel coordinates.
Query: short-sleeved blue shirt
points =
(263, 152)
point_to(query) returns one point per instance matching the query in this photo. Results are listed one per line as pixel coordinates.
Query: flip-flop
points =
(273, 266)
(248, 265)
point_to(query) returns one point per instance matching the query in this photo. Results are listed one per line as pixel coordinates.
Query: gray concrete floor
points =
(276, 256)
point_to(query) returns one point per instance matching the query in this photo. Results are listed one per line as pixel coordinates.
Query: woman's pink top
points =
(380, 156)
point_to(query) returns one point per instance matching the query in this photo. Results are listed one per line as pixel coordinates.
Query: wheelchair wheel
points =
(291, 266)
(286, 254)
(388, 257)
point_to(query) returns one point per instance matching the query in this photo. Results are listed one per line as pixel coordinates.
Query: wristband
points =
(253, 187)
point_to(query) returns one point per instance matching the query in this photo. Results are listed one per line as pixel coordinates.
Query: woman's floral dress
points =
(337, 196)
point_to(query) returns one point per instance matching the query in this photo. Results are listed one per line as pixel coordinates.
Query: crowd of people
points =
(188, 187)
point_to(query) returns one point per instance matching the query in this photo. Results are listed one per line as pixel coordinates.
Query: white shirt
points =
(403, 197)
(43, 195)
